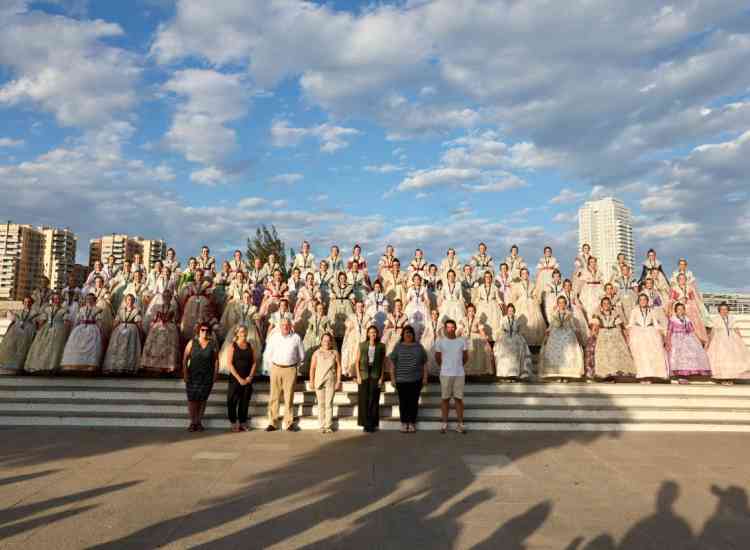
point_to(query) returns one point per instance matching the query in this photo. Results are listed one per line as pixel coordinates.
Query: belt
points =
(87, 322)
(283, 366)
(593, 283)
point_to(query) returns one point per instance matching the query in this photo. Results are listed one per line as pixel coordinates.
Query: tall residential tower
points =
(607, 226)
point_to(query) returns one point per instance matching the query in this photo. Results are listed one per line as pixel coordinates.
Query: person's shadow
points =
(728, 528)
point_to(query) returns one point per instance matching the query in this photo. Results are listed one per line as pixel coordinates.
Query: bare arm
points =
(313, 367)
(338, 370)
(185, 357)
(232, 370)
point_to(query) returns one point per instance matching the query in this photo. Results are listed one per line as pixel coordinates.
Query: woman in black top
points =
(200, 366)
(408, 373)
(242, 366)
(371, 360)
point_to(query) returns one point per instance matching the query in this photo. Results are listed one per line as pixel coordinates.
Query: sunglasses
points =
(203, 330)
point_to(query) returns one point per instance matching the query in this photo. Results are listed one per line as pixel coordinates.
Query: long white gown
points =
(83, 350)
(452, 305)
(562, 355)
(512, 354)
(417, 310)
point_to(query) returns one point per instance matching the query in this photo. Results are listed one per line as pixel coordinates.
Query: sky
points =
(416, 123)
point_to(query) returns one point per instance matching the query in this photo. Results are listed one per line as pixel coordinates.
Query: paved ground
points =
(80, 488)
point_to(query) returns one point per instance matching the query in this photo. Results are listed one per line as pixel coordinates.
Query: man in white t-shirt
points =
(452, 353)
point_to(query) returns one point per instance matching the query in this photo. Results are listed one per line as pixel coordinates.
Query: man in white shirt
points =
(452, 353)
(286, 353)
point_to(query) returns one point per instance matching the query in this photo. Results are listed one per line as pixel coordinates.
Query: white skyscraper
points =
(607, 226)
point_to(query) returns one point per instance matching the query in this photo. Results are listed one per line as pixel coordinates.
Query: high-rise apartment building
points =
(124, 247)
(59, 255)
(21, 260)
(607, 226)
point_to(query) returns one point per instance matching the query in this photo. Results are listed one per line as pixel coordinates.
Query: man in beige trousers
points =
(286, 353)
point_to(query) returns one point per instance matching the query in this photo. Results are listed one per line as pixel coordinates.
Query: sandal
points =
(404, 429)
(235, 428)
(412, 429)
(443, 428)
(460, 429)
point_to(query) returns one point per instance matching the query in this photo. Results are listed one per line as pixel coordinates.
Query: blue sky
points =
(416, 123)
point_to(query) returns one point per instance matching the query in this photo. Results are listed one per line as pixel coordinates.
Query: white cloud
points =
(504, 182)
(440, 176)
(251, 202)
(287, 179)
(383, 168)
(66, 66)
(331, 137)
(8, 142)
(567, 196)
(669, 230)
(207, 101)
(566, 217)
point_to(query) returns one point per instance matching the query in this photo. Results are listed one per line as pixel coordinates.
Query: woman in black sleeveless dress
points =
(242, 366)
(200, 366)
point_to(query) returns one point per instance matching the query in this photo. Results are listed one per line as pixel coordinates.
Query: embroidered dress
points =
(17, 341)
(46, 350)
(71, 299)
(384, 265)
(395, 286)
(139, 291)
(161, 352)
(157, 299)
(480, 353)
(83, 350)
(612, 353)
(551, 293)
(450, 264)
(377, 308)
(483, 263)
(686, 355)
(627, 291)
(247, 316)
(197, 307)
(118, 286)
(561, 355)
(236, 267)
(356, 333)
(648, 265)
(574, 307)
(272, 296)
(305, 263)
(727, 353)
(335, 265)
(451, 300)
(432, 333)
(316, 328)
(468, 284)
(433, 284)
(686, 296)
(592, 291)
(489, 308)
(106, 317)
(392, 331)
(646, 344)
(589, 357)
(219, 291)
(340, 309)
(527, 309)
(544, 268)
(418, 266)
(124, 350)
(304, 308)
(511, 352)
(515, 265)
(361, 264)
(208, 265)
(580, 264)
(417, 309)
(358, 282)
(504, 284)
(692, 283)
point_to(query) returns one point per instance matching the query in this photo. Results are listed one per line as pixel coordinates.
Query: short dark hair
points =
(449, 322)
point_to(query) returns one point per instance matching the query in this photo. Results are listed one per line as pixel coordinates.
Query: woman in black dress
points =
(242, 365)
(200, 366)
(371, 362)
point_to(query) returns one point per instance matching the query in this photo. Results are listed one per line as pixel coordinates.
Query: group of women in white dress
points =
(130, 319)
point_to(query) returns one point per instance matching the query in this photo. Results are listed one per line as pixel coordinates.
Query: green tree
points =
(265, 242)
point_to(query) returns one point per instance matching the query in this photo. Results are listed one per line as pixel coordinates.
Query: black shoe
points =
(270, 428)
(292, 428)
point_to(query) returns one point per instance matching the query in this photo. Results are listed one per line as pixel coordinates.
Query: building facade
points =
(59, 255)
(21, 260)
(124, 247)
(607, 226)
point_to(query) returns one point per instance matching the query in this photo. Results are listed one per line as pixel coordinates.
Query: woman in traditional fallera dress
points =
(692, 282)
(152, 276)
(574, 306)
(449, 263)
(335, 262)
(173, 264)
(137, 287)
(515, 264)
(294, 284)
(591, 288)
(359, 282)
(236, 265)
(483, 262)
(546, 265)
(685, 351)
(325, 280)
(394, 326)
(46, 350)
(161, 351)
(489, 305)
(511, 352)
(417, 266)
(561, 354)
(234, 301)
(124, 351)
(98, 271)
(528, 309)
(317, 325)
(504, 282)
(221, 281)
(469, 282)
(18, 337)
(395, 283)
(358, 259)
(432, 333)
(727, 353)
(646, 339)
(480, 352)
(451, 300)
(304, 307)
(612, 355)
(377, 306)
(385, 264)
(275, 291)
(552, 291)
(188, 275)
(580, 265)
(247, 318)
(627, 289)
(656, 300)
(433, 284)
(356, 333)
(686, 295)
(163, 283)
(83, 350)
(196, 306)
(417, 306)
(71, 298)
(207, 263)
(304, 260)
(104, 303)
(652, 263)
(342, 306)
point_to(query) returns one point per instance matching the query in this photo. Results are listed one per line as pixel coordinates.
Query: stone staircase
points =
(160, 403)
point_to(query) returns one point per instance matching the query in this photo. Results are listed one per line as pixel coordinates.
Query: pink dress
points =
(646, 344)
(688, 297)
(727, 354)
(686, 356)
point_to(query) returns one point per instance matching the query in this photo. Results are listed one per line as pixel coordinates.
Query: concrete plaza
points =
(110, 488)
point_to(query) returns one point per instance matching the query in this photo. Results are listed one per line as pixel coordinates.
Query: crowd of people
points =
(339, 317)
